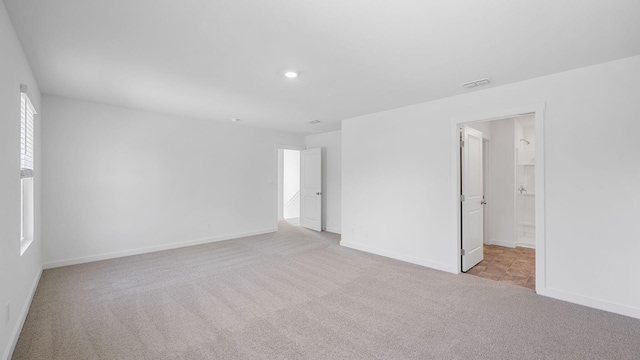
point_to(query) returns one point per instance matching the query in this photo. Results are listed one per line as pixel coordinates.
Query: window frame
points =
(27, 166)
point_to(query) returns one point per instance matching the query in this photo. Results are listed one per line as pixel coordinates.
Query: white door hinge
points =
(461, 197)
(462, 252)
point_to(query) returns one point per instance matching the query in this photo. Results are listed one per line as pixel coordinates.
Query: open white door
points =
(311, 189)
(472, 198)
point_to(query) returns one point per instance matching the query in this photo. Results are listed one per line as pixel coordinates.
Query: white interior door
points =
(472, 199)
(311, 189)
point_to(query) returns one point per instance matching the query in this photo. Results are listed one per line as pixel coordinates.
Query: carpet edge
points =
(175, 245)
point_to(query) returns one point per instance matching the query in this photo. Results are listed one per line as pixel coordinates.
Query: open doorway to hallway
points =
(299, 187)
(498, 223)
(289, 194)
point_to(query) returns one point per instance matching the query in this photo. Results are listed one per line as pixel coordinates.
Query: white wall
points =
(18, 274)
(331, 145)
(503, 198)
(119, 181)
(398, 180)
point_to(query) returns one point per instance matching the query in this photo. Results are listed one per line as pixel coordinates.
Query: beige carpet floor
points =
(297, 294)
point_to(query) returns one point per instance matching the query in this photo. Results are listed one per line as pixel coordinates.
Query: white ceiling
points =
(219, 59)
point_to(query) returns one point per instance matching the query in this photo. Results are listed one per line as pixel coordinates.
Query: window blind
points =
(27, 113)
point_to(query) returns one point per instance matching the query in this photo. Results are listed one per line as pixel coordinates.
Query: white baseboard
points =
(82, 260)
(13, 340)
(527, 241)
(333, 230)
(590, 302)
(511, 244)
(401, 257)
(528, 246)
(555, 294)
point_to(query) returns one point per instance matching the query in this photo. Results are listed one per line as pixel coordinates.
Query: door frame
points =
(537, 110)
(486, 182)
(278, 177)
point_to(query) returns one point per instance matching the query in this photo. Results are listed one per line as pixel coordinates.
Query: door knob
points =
(318, 193)
(483, 202)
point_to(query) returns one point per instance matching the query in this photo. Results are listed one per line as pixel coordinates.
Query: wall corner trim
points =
(15, 335)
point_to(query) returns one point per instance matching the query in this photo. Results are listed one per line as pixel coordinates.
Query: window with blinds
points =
(27, 197)
(26, 137)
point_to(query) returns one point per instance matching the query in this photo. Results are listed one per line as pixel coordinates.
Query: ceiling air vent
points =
(476, 83)
(313, 122)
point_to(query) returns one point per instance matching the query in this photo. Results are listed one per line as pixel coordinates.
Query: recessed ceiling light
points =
(313, 122)
(235, 119)
(291, 74)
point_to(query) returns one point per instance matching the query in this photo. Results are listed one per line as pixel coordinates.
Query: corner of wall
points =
(15, 334)
(20, 273)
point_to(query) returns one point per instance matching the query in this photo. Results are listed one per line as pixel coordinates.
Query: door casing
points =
(456, 123)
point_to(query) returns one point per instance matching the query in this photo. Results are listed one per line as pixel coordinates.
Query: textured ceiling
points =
(214, 59)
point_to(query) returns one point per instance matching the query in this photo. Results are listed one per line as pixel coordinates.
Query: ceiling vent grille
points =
(476, 83)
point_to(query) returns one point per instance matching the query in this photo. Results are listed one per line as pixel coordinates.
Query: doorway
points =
(508, 163)
(500, 209)
(299, 187)
(289, 186)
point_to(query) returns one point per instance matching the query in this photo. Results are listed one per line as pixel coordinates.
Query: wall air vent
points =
(476, 83)
(313, 122)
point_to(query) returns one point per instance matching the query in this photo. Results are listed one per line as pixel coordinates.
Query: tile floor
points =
(515, 266)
